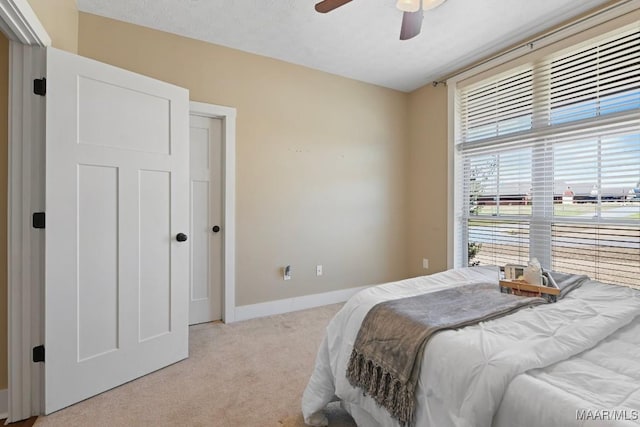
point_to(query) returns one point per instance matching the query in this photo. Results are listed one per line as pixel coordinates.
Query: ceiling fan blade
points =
(328, 5)
(411, 24)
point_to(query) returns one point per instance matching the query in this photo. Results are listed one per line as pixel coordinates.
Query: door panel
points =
(97, 260)
(117, 193)
(155, 257)
(201, 241)
(206, 211)
(124, 118)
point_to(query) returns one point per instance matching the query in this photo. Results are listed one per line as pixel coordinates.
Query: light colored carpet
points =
(248, 373)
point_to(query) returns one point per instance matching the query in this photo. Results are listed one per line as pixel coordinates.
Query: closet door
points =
(207, 229)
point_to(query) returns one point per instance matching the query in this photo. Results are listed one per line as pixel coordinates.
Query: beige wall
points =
(321, 159)
(60, 19)
(4, 138)
(427, 180)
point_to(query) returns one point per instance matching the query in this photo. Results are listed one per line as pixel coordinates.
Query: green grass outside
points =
(572, 210)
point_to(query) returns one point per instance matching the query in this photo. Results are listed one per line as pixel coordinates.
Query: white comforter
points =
(465, 373)
(602, 384)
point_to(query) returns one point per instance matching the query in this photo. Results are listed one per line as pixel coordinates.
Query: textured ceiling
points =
(358, 40)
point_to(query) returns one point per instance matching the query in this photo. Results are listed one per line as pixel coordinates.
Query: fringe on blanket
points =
(389, 392)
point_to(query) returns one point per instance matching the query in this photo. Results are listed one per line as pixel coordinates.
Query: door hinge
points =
(38, 219)
(40, 86)
(38, 353)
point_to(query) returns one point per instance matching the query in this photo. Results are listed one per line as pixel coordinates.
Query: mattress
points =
(466, 373)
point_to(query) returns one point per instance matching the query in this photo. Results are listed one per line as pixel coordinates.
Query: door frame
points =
(25, 259)
(228, 117)
(25, 263)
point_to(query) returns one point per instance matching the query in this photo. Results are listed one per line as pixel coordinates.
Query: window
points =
(548, 163)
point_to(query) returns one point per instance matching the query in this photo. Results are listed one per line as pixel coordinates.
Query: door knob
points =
(216, 228)
(181, 237)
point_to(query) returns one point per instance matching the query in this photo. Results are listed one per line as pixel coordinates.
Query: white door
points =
(117, 182)
(206, 219)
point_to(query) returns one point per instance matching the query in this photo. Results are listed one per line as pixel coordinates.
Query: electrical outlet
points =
(286, 272)
(425, 263)
(318, 270)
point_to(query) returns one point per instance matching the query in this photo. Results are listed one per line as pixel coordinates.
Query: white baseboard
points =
(252, 311)
(4, 403)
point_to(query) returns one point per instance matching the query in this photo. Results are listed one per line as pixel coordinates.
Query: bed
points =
(572, 363)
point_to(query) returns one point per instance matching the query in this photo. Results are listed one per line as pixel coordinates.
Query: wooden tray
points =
(522, 288)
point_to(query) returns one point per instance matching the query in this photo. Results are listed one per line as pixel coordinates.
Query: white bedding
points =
(466, 372)
(604, 378)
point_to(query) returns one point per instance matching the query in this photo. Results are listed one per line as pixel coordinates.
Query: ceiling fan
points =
(411, 19)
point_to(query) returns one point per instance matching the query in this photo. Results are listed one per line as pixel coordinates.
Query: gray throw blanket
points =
(387, 355)
(565, 282)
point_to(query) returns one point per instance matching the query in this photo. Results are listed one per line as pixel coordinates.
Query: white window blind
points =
(548, 159)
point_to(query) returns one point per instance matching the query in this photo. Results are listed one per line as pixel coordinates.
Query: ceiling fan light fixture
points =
(431, 4)
(408, 5)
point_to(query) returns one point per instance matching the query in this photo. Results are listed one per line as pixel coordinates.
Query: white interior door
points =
(206, 219)
(117, 182)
